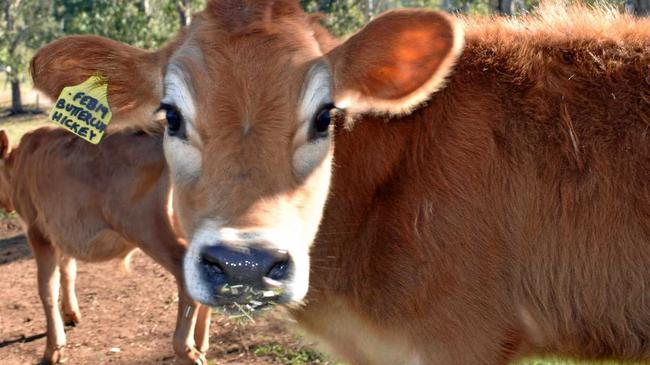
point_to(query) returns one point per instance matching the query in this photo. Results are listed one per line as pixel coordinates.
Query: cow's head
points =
(249, 91)
(6, 201)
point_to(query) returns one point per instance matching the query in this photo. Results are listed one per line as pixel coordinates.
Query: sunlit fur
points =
(506, 214)
(507, 217)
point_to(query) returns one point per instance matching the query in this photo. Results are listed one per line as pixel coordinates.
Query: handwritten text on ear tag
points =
(83, 109)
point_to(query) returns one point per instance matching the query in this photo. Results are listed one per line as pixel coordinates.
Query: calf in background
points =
(95, 203)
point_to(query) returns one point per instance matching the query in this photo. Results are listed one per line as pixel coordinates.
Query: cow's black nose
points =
(246, 266)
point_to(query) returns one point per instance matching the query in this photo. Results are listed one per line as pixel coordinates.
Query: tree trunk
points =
(367, 10)
(8, 16)
(501, 7)
(145, 7)
(184, 14)
(325, 6)
(638, 7)
(16, 101)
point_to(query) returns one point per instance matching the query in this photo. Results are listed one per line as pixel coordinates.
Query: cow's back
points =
(81, 195)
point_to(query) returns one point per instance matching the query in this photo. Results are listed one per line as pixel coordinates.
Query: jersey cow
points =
(460, 205)
(92, 203)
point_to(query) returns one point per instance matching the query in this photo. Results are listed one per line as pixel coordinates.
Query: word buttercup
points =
(83, 109)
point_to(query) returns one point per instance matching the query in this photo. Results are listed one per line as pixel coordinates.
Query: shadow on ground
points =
(14, 248)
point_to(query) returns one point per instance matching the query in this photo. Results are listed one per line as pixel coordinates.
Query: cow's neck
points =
(392, 182)
(371, 161)
(369, 158)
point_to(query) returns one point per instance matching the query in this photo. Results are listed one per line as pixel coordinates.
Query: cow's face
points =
(6, 201)
(250, 91)
(249, 146)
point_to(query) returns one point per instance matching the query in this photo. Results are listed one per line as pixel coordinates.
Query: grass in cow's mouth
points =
(248, 294)
(249, 302)
(243, 314)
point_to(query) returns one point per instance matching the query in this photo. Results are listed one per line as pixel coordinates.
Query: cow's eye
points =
(323, 120)
(174, 119)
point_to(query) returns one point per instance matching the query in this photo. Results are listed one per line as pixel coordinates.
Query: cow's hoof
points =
(194, 357)
(53, 356)
(72, 319)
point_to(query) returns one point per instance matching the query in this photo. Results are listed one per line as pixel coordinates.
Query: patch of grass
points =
(288, 356)
(17, 126)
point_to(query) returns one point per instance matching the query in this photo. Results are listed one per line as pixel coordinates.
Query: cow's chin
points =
(207, 288)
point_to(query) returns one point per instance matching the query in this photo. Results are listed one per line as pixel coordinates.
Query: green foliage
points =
(24, 25)
(343, 16)
(142, 23)
(346, 16)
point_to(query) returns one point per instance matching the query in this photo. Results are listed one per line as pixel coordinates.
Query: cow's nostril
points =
(279, 271)
(213, 267)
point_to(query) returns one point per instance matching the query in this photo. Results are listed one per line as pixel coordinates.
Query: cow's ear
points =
(134, 75)
(395, 62)
(5, 148)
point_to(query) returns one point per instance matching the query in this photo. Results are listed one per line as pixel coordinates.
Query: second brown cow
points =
(80, 201)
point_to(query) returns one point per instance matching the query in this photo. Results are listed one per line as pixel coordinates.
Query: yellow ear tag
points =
(83, 109)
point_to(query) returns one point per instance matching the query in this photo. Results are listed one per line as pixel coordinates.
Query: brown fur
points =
(507, 215)
(94, 203)
(521, 186)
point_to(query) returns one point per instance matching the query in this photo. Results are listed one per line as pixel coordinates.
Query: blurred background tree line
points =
(26, 25)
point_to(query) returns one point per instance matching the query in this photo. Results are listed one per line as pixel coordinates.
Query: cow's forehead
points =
(209, 40)
(243, 73)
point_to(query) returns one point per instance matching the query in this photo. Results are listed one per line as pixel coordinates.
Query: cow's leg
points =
(71, 313)
(169, 254)
(202, 328)
(165, 248)
(47, 261)
(184, 344)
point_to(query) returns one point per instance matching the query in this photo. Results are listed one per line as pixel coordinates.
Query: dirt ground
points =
(127, 318)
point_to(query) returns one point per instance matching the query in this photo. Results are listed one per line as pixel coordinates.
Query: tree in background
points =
(505, 7)
(26, 25)
(29, 24)
(345, 16)
(638, 7)
(142, 23)
(184, 12)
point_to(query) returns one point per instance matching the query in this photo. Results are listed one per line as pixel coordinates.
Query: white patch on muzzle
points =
(211, 233)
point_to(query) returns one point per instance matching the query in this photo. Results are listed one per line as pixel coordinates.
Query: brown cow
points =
(95, 203)
(503, 212)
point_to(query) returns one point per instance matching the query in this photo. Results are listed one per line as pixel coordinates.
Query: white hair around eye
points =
(316, 93)
(183, 158)
(178, 91)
